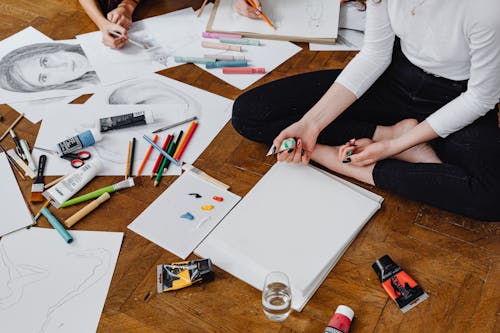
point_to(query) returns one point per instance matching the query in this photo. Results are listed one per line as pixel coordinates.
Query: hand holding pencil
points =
(252, 9)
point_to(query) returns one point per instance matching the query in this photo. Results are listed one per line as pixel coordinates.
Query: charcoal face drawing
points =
(46, 66)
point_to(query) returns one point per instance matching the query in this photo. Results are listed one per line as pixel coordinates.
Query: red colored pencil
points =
(185, 141)
(160, 156)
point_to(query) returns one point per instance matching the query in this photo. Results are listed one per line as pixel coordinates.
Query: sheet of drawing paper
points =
(115, 65)
(65, 121)
(304, 18)
(15, 212)
(347, 40)
(162, 223)
(31, 109)
(269, 55)
(34, 67)
(47, 285)
(316, 235)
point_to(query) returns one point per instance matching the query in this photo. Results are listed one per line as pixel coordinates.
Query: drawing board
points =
(162, 223)
(347, 40)
(47, 285)
(15, 212)
(34, 67)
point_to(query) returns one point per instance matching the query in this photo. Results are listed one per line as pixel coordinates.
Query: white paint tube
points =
(72, 183)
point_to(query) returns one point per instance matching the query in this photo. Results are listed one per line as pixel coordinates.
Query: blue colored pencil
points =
(161, 151)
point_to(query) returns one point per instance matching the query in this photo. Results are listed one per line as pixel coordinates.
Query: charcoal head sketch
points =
(46, 66)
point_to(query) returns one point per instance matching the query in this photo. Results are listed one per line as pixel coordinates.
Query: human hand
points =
(245, 9)
(306, 135)
(112, 41)
(121, 15)
(364, 152)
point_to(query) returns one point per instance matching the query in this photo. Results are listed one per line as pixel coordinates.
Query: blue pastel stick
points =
(228, 63)
(161, 151)
(193, 60)
(57, 225)
(240, 41)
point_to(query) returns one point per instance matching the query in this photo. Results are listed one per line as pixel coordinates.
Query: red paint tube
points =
(341, 320)
(398, 284)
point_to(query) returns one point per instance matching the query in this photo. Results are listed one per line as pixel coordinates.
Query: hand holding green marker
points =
(285, 145)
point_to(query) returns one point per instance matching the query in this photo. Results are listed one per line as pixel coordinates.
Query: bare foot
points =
(422, 153)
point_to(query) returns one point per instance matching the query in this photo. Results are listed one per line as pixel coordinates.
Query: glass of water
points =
(277, 296)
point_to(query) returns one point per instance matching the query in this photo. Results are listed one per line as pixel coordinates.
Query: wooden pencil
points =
(202, 8)
(18, 119)
(127, 169)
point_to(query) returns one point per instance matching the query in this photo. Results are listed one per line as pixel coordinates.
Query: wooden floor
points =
(455, 259)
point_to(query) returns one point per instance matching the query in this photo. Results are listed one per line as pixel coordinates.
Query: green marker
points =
(97, 193)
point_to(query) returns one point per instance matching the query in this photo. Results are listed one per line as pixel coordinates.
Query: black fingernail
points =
(302, 152)
(347, 160)
(290, 150)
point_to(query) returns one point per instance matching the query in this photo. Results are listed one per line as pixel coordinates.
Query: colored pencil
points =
(264, 17)
(160, 156)
(127, 167)
(175, 124)
(163, 152)
(46, 204)
(18, 119)
(165, 162)
(55, 181)
(13, 163)
(146, 157)
(202, 8)
(180, 150)
(132, 155)
(131, 41)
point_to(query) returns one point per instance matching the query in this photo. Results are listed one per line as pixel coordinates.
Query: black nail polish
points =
(347, 160)
(290, 150)
(302, 152)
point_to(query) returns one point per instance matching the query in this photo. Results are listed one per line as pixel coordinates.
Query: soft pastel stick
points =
(241, 41)
(243, 70)
(220, 46)
(57, 225)
(219, 57)
(233, 63)
(193, 60)
(218, 35)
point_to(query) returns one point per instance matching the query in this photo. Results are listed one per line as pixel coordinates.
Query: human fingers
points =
(258, 4)
(297, 156)
(244, 9)
(124, 21)
(112, 17)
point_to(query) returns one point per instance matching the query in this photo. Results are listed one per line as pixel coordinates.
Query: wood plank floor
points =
(455, 259)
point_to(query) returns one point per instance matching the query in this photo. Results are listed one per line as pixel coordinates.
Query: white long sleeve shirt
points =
(454, 39)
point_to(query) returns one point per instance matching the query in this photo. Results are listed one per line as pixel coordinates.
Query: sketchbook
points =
(47, 285)
(15, 212)
(295, 20)
(298, 220)
(180, 218)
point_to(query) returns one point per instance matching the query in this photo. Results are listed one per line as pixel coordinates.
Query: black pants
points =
(468, 182)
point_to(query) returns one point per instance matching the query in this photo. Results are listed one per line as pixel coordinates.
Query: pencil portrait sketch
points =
(46, 66)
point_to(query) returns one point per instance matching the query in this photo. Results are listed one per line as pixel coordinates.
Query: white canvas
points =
(15, 212)
(347, 40)
(304, 18)
(34, 67)
(65, 121)
(297, 220)
(162, 223)
(47, 285)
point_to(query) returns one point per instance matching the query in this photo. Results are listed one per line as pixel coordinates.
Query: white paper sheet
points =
(347, 40)
(297, 220)
(15, 212)
(162, 223)
(163, 34)
(47, 285)
(305, 18)
(33, 67)
(65, 121)
(32, 111)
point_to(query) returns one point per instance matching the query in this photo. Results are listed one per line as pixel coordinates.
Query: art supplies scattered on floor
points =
(21, 164)
(79, 141)
(73, 219)
(398, 284)
(341, 320)
(38, 186)
(183, 274)
(127, 183)
(66, 236)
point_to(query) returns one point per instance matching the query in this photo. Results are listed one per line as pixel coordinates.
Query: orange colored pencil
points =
(182, 146)
(146, 157)
(264, 17)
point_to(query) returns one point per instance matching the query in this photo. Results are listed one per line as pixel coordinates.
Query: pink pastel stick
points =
(217, 35)
(243, 70)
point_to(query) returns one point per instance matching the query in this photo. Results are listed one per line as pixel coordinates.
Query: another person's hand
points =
(121, 15)
(306, 135)
(245, 9)
(112, 41)
(367, 152)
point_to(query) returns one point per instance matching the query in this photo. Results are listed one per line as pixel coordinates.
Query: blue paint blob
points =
(187, 216)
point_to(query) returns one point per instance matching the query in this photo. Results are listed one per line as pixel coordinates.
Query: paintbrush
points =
(38, 186)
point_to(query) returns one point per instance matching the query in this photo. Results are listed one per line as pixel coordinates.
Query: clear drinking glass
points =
(277, 296)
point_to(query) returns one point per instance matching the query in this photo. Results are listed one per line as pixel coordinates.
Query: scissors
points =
(76, 159)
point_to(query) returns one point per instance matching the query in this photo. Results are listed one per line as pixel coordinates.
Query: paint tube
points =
(126, 120)
(398, 284)
(72, 183)
(183, 274)
(78, 142)
(341, 320)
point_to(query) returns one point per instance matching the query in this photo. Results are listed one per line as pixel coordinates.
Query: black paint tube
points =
(126, 120)
(398, 284)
